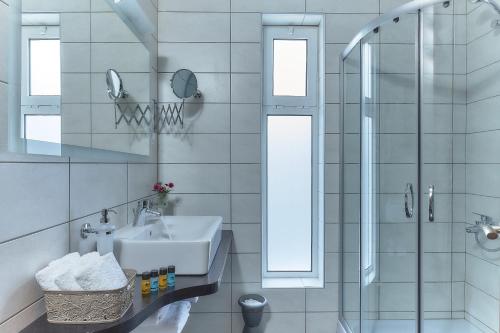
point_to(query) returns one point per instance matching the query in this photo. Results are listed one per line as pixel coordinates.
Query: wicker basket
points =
(84, 307)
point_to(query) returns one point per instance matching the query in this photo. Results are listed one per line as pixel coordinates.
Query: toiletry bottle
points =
(105, 233)
(171, 276)
(162, 280)
(146, 283)
(154, 281)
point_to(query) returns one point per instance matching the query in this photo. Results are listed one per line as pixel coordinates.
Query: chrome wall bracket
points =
(163, 115)
(169, 114)
(132, 113)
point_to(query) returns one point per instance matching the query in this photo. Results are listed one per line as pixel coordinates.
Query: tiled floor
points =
(430, 326)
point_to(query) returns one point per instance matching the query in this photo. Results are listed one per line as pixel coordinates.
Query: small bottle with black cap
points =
(154, 281)
(171, 276)
(146, 283)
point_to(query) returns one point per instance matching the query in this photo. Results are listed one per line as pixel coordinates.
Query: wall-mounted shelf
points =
(143, 307)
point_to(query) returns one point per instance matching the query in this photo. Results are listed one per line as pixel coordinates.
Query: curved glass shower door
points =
(389, 178)
(380, 177)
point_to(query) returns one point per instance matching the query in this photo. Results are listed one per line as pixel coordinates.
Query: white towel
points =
(105, 274)
(67, 282)
(46, 277)
(169, 319)
(173, 317)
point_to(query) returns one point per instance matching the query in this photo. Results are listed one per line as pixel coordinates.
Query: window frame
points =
(308, 105)
(309, 33)
(34, 104)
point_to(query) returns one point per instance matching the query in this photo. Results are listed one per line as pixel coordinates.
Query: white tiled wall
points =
(45, 200)
(482, 271)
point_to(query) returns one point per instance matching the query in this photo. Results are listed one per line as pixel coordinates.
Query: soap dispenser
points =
(105, 233)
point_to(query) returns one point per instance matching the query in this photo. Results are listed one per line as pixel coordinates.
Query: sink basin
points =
(188, 242)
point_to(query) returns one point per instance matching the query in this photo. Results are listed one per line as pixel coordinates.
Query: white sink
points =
(188, 242)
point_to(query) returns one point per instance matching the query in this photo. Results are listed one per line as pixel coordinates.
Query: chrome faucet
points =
(484, 225)
(144, 212)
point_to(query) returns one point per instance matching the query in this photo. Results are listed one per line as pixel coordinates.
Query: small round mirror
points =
(115, 85)
(184, 84)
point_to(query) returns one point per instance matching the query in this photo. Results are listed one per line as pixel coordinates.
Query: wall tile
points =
(246, 27)
(108, 27)
(245, 178)
(75, 57)
(51, 244)
(194, 5)
(246, 268)
(245, 88)
(203, 27)
(197, 178)
(96, 186)
(245, 118)
(75, 27)
(245, 148)
(245, 208)
(198, 57)
(109, 55)
(37, 197)
(246, 58)
(281, 6)
(195, 148)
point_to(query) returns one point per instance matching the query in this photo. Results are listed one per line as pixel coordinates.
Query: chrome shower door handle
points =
(431, 203)
(409, 196)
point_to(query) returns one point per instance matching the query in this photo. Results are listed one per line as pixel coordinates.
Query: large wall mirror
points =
(61, 55)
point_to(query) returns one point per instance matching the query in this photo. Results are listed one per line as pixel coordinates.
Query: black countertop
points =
(145, 306)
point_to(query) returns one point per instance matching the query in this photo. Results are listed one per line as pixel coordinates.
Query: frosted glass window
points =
(290, 67)
(45, 128)
(289, 193)
(45, 67)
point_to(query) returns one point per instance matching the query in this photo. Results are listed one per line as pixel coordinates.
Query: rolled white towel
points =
(69, 259)
(169, 319)
(67, 282)
(90, 258)
(104, 274)
(173, 317)
(46, 277)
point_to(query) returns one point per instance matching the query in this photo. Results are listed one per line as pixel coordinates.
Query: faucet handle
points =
(105, 214)
(147, 203)
(484, 218)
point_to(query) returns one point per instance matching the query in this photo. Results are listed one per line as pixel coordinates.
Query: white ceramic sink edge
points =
(187, 242)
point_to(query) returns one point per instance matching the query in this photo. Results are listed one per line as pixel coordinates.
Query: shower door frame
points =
(414, 7)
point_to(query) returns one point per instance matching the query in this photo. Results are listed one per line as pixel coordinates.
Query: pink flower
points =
(171, 185)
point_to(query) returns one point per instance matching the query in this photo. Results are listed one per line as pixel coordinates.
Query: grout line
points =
(33, 232)
(230, 155)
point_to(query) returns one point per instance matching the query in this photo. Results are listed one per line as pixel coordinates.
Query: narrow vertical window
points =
(289, 67)
(45, 67)
(41, 84)
(289, 184)
(292, 217)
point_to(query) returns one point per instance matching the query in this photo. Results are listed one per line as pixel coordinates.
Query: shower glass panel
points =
(442, 169)
(389, 173)
(351, 192)
(381, 191)
(420, 171)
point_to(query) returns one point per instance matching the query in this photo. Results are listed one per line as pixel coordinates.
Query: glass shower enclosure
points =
(403, 167)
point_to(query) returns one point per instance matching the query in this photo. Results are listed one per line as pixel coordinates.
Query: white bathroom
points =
(255, 166)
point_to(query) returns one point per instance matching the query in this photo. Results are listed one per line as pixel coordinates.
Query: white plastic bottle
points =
(105, 233)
